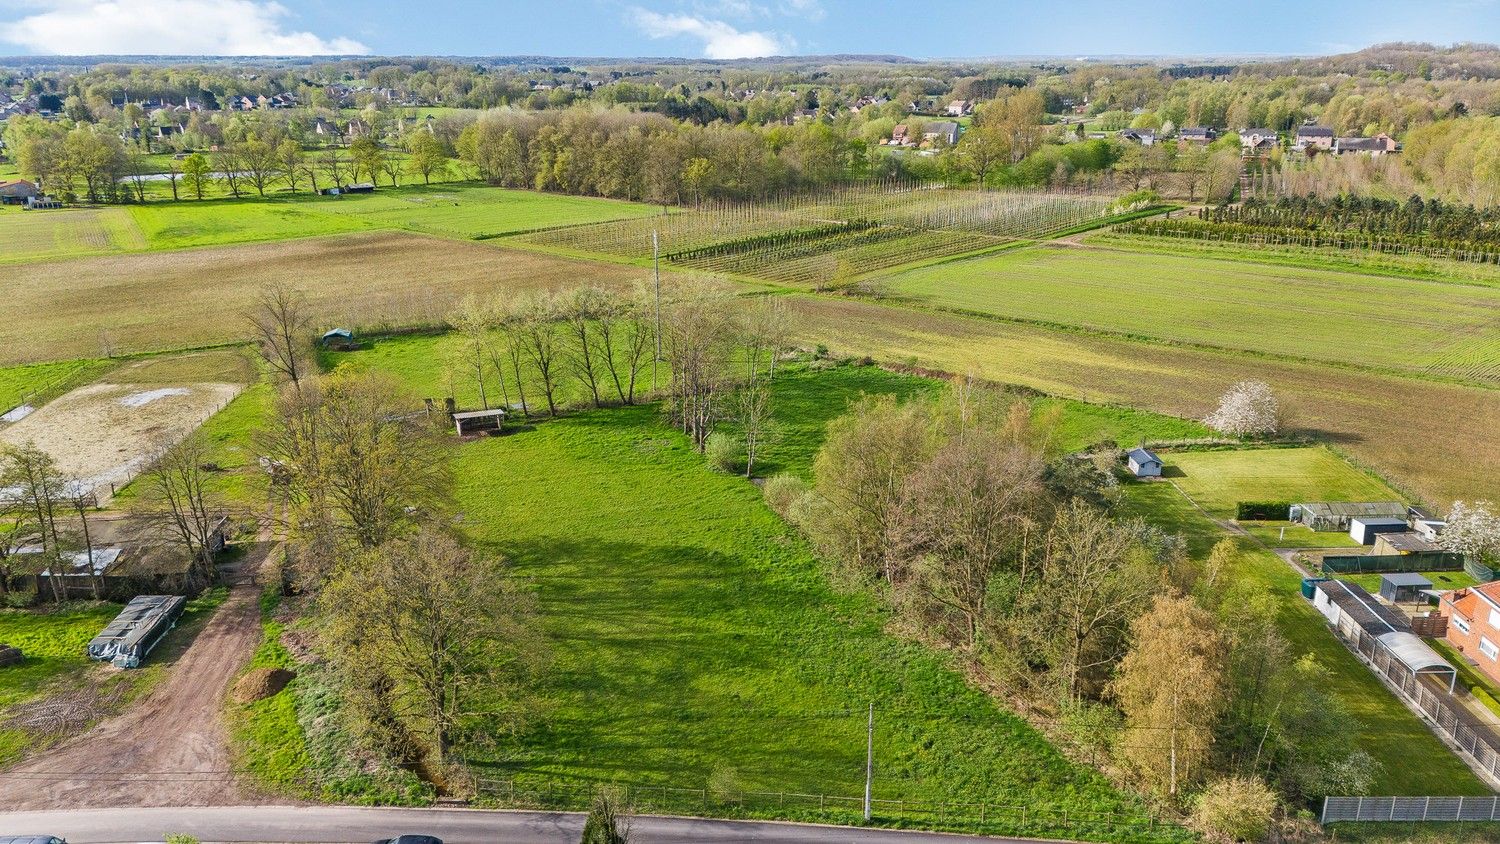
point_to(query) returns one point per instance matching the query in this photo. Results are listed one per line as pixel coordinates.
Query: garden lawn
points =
(1441, 580)
(1314, 314)
(696, 641)
(1218, 480)
(1413, 760)
(1298, 535)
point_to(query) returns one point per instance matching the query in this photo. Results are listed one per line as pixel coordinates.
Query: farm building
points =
(1405, 542)
(1364, 529)
(1379, 633)
(144, 622)
(1143, 463)
(1335, 515)
(1404, 587)
(16, 191)
(128, 559)
(469, 421)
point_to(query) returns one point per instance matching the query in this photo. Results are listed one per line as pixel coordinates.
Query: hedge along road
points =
(320, 824)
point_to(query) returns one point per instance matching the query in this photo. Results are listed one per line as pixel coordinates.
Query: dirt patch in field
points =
(261, 683)
(195, 297)
(105, 433)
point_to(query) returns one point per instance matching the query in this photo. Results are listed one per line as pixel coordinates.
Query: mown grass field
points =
(1425, 327)
(1218, 480)
(695, 639)
(157, 301)
(1437, 440)
(459, 210)
(1413, 760)
(27, 236)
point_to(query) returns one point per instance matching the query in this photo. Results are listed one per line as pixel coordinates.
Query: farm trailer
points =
(138, 628)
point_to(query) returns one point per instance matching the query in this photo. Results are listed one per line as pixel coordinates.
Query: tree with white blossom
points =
(1248, 408)
(1473, 530)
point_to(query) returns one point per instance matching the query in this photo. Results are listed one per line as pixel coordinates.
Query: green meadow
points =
(1332, 316)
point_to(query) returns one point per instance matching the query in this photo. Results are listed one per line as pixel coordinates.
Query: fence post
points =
(1425, 806)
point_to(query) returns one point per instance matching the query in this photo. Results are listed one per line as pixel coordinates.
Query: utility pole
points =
(656, 273)
(869, 759)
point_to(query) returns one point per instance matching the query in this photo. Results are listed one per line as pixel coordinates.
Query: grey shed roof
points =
(1392, 509)
(1406, 578)
(1373, 616)
(1141, 455)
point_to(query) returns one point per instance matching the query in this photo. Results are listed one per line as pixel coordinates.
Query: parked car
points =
(31, 839)
(400, 839)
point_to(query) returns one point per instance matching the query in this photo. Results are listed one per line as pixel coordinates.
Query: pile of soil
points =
(260, 683)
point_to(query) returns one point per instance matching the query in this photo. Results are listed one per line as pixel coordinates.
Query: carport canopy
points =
(1412, 652)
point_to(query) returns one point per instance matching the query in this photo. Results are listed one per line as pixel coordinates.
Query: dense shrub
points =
(783, 492)
(725, 452)
(1236, 809)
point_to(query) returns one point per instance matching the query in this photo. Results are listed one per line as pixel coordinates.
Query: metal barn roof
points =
(1406, 578)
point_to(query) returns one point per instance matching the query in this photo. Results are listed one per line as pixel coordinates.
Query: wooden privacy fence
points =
(1409, 809)
(967, 816)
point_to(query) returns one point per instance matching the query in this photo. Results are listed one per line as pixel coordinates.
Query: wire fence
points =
(984, 817)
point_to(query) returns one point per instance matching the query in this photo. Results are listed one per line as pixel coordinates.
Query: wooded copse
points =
(1160, 668)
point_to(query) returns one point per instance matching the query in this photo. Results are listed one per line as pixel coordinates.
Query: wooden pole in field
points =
(869, 759)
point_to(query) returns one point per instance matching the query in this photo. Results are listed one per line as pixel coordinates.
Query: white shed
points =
(1364, 529)
(1143, 464)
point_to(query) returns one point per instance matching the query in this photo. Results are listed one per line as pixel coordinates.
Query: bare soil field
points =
(170, 300)
(1436, 440)
(105, 433)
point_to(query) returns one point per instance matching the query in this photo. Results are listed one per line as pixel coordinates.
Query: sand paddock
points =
(105, 433)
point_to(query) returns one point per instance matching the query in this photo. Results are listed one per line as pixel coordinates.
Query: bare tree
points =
(18, 525)
(81, 499)
(507, 317)
(579, 309)
(175, 501)
(753, 411)
(39, 487)
(698, 337)
(280, 322)
(536, 328)
(230, 164)
(473, 324)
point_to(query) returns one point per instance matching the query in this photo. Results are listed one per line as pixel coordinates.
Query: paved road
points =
(339, 824)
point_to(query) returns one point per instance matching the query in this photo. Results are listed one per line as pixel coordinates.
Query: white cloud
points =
(720, 40)
(167, 27)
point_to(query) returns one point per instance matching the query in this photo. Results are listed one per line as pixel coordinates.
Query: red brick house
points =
(1474, 624)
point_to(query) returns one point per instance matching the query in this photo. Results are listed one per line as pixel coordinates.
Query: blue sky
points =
(734, 28)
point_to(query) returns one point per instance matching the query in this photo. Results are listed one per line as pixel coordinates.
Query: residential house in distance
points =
(1198, 135)
(1381, 144)
(959, 108)
(324, 128)
(1474, 624)
(945, 131)
(1144, 137)
(357, 128)
(1143, 463)
(1258, 141)
(1311, 136)
(899, 136)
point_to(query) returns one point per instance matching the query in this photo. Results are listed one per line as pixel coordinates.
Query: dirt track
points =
(170, 749)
